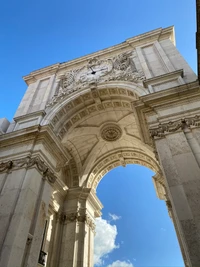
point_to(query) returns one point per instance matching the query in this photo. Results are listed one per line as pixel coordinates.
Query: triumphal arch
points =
(133, 103)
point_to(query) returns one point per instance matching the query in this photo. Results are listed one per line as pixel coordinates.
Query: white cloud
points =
(163, 229)
(121, 264)
(104, 241)
(114, 217)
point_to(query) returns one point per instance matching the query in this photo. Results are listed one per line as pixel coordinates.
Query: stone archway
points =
(137, 102)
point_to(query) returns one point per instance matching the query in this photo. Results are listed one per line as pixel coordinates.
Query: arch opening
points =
(141, 220)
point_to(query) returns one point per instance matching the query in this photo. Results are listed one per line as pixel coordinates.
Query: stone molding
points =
(116, 159)
(169, 207)
(111, 132)
(165, 128)
(29, 162)
(74, 112)
(66, 218)
(160, 187)
(163, 78)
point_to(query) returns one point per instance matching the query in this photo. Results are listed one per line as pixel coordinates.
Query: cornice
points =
(36, 135)
(19, 136)
(30, 115)
(86, 194)
(178, 93)
(139, 40)
(163, 78)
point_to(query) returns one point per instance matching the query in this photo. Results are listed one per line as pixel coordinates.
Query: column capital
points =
(162, 129)
(29, 162)
(79, 216)
(87, 197)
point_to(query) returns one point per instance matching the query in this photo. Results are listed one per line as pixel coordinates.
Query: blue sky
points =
(145, 234)
(35, 34)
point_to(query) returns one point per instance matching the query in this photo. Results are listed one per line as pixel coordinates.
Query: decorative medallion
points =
(111, 132)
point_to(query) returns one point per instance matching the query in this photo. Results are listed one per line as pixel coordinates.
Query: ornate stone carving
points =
(111, 132)
(165, 128)
(113, 160)
(193, 121)
(90, 223)
(5, 166)
(79, 217)
(67, 80)
(169, 127)
(122, 62)
(42, 167)
(28, 162)
(120, 67)
(160, 186)
(71, 217)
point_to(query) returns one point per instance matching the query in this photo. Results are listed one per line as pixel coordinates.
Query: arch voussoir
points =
(119, 158)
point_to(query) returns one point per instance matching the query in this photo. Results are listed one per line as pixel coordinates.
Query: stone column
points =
(24, 198)
(38, 224)
(55, 241)
(182, 173)
(177, 229)
(81, 208)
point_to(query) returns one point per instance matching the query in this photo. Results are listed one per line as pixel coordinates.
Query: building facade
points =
(133, 103)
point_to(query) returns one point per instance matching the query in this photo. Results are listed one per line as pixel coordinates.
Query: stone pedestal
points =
(81, 207)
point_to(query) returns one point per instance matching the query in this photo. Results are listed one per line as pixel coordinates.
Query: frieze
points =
(5, 166)
(174, 126)
(121, 67)
(78, 217)
(28, 163)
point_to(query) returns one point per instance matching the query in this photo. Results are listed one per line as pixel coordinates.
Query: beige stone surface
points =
(133, 103)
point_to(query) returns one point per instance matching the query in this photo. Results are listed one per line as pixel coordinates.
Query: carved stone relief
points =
(115, 160)
(111, 132)
(174, 126)
(78, 217)
(28, 163)
(120, 67)
(86, 112)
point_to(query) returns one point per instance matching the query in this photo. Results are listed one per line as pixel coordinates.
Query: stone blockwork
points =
(133, 103)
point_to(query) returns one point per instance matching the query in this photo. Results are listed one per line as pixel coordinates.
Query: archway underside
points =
(101, 131)
(119, 158)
